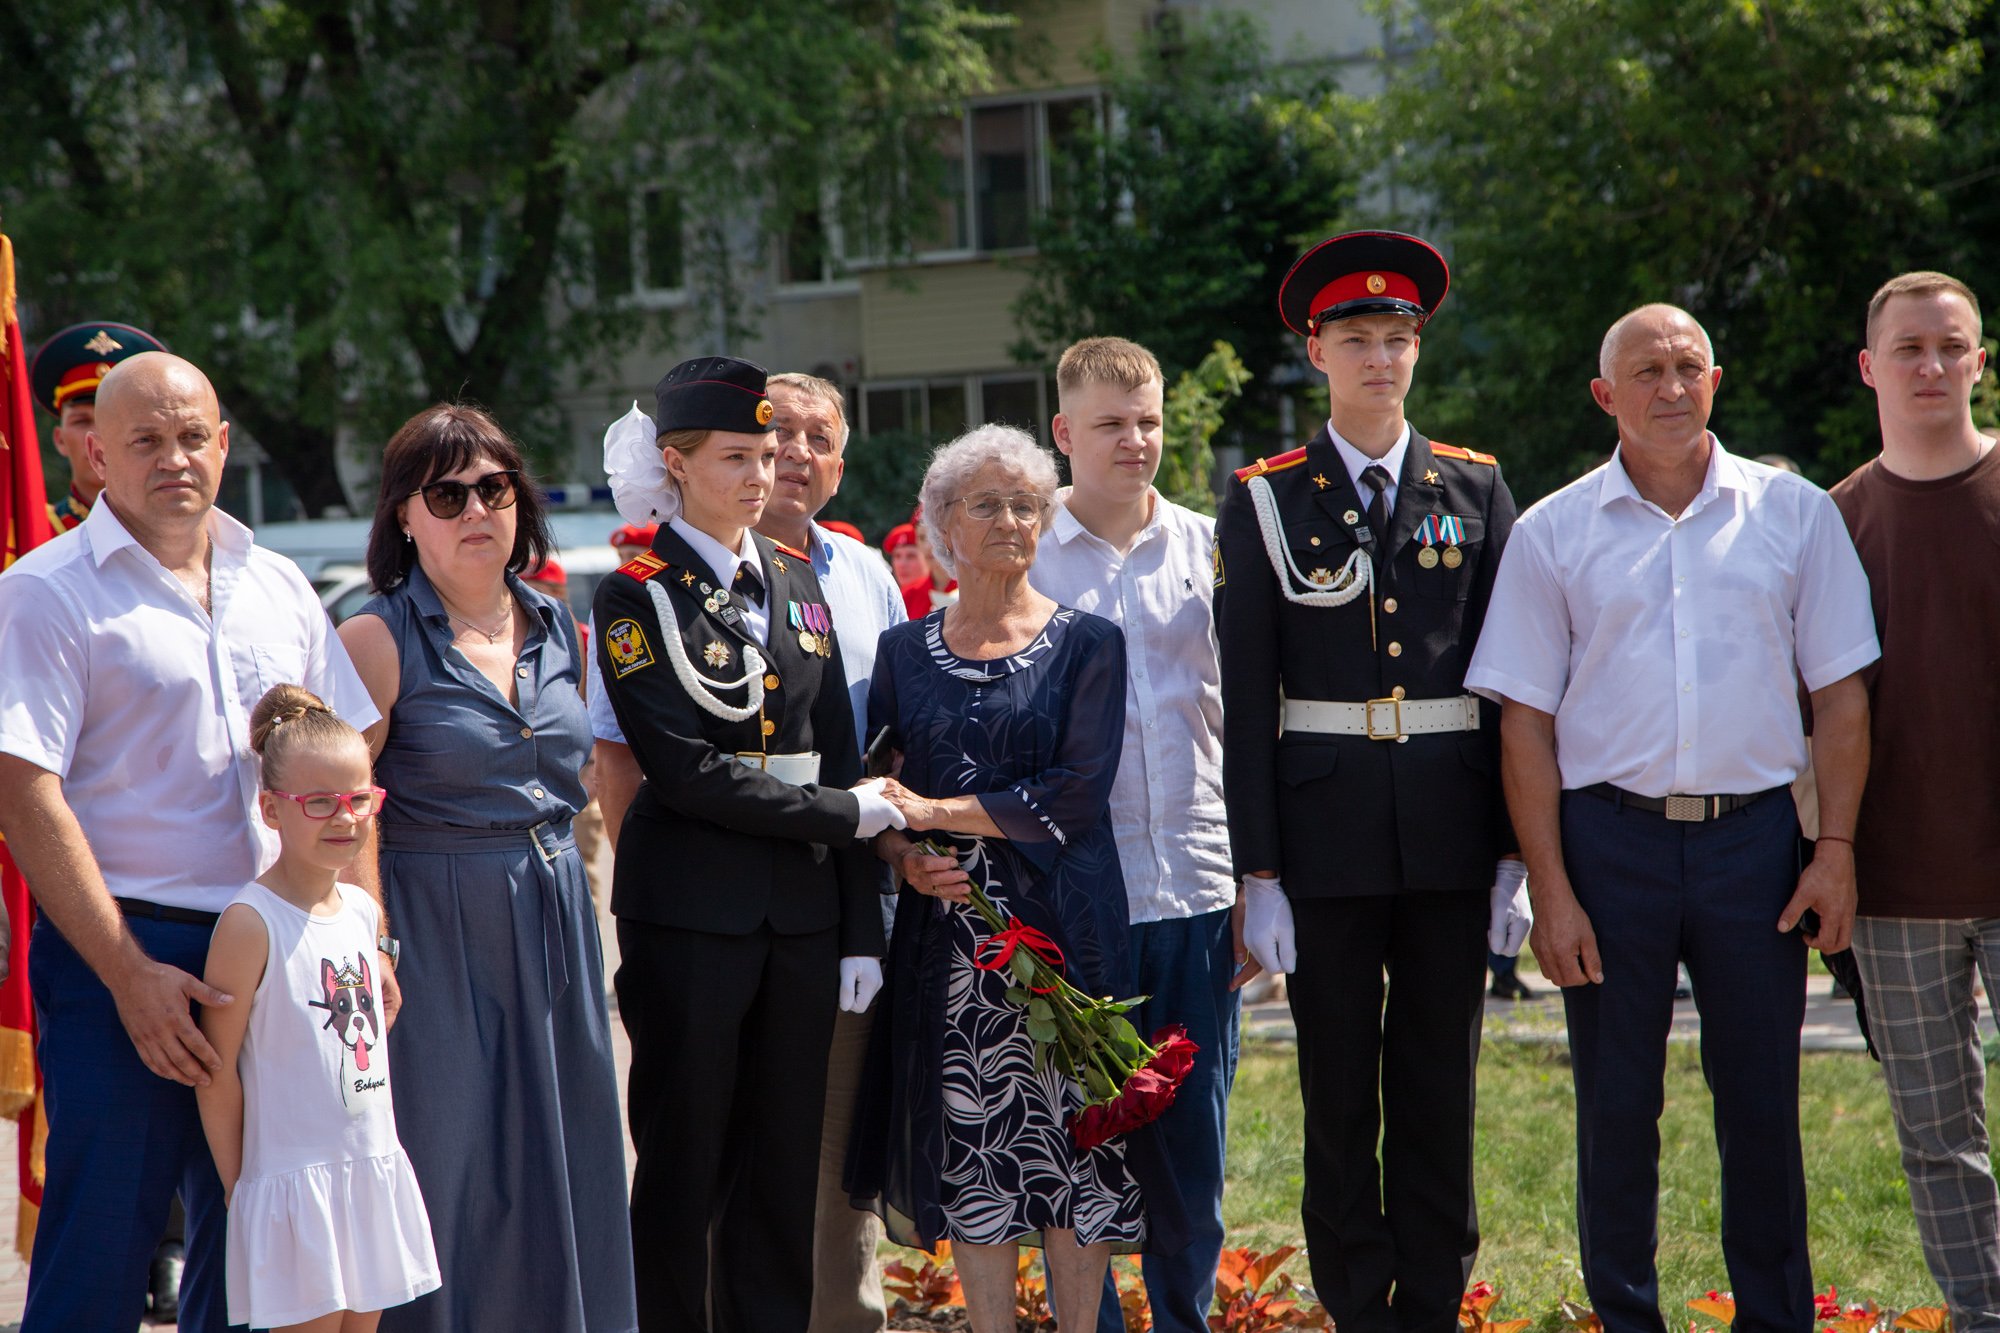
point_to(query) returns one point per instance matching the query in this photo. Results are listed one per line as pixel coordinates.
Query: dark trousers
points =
(1659, 893)
(1183, 966)
(729, 1046)
(122, 1142)
(1391, 1245)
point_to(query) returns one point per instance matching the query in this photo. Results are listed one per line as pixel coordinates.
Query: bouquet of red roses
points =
(1125, 1082)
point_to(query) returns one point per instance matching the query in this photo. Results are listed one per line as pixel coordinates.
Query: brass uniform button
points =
(1315, 541)
(527, 733)
(770, 682)
(1395, 650)
(1396, 693)
(1388, 606)
(769, 726)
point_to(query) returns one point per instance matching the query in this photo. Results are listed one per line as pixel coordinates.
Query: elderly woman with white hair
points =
(1008, 711)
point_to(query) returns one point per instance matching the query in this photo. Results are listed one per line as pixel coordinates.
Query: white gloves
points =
(1507, 929)
(877, 813)
(860, 978)
(1267, 925)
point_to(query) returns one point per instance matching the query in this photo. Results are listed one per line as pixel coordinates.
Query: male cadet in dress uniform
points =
(1363, 783)
(65, 375)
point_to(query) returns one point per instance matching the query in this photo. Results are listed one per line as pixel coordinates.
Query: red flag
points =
(24, 503)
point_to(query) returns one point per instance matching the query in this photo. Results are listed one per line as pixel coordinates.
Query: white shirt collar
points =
(108, 533)
(720, 560)
(1065, 526)
(1358, 462)
(1725, 473)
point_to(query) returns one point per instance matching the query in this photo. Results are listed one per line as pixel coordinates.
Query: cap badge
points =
(103, 344)
(1377, 284)
(764, 412)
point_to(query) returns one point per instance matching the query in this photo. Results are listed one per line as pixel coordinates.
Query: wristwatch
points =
(392, 946)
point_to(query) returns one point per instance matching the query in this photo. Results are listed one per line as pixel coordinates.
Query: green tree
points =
(1195, 404)
(1175, 224)
(1764, 163)
(344, 209)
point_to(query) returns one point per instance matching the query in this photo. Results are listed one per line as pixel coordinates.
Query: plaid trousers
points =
(1917, 976)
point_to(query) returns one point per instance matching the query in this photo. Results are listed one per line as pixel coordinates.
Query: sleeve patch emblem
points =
(626, 643)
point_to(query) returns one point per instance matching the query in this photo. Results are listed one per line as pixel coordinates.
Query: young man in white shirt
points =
(1648, 630)
(131, 654)
(1117, 548)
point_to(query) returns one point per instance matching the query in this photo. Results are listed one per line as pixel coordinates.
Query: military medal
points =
(1453, 557)
(1451, 531)
(716, 654)
(1428, 557)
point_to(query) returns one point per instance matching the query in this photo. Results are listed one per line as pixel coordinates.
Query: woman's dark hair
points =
(434, 443)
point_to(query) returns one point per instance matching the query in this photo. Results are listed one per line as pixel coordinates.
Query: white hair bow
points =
(640, 484)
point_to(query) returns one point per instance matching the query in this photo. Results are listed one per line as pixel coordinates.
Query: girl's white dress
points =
(327, 1215)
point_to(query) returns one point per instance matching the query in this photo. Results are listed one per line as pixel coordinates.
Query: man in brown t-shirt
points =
(1925, 517)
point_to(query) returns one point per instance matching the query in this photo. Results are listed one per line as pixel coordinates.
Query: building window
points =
(941, 409)
(637, 242)
(993, 175)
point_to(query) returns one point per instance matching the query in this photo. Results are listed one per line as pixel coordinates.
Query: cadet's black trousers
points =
(730, 1035)
(1391, 1244)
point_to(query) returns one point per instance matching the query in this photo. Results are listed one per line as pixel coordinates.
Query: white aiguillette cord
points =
(1355, 577)
(699, 686)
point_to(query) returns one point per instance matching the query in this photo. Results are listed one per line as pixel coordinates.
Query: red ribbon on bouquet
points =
(1018, 935)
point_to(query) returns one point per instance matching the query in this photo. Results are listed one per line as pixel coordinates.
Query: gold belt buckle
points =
(1687, 809)
(1395, 707)
(753, 759)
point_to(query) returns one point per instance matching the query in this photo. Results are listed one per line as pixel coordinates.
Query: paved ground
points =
(1829, 1026)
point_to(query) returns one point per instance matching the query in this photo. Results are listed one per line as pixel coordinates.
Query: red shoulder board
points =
(1278, 464)
(642, 566)
(1468, 455)
(796, 555)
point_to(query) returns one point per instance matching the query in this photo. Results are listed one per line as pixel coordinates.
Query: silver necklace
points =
(492, 636)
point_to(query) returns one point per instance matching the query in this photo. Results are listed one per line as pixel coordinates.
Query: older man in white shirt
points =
(131, 652)
(1649, 626)
(1117, 548)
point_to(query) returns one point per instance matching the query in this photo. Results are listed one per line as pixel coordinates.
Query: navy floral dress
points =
(960, 1135)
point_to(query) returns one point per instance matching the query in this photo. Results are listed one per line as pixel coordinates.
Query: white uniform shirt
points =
(113, 678)
(862, 597)
(1166, 802)
(1669, 649)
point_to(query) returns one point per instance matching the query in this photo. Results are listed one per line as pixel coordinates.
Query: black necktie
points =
(748, 586)
(1377, 478)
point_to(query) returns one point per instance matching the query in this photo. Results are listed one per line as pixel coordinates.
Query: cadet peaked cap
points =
(1363, 273)
(71, 364)
(713, 393)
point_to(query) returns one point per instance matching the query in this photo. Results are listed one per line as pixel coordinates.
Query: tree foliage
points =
(1175, 223)
(1764, 163)
(1194, 408)
(343, 209)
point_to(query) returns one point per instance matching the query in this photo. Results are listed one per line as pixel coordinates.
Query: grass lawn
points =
(1862, 1235)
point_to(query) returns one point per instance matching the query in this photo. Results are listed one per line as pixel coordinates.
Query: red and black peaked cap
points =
(1363, 273)
(713, 393)
(69, 366)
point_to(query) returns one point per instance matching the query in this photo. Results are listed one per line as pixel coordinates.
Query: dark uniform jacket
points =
(1342, 816)
(711, 844)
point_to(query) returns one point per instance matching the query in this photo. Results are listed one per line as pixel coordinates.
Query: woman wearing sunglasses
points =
(505, 1091)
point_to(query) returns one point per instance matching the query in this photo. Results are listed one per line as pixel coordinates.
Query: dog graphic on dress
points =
(349, 1001)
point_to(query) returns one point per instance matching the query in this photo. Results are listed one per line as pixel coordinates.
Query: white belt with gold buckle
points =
(1383, 719)
(797, 769)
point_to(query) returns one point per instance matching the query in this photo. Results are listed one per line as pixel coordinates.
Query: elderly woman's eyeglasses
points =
(446, 499)
(327, 804)
(985, 506)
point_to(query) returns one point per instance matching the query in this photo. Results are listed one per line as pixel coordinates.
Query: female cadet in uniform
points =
(746, 908)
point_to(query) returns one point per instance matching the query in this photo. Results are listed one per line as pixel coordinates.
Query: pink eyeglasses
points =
(326, 804)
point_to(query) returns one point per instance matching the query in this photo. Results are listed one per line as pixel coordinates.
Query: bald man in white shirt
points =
(1648, 628)
(131, 653)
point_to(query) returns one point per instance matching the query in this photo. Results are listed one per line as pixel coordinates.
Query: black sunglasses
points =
(446, 499)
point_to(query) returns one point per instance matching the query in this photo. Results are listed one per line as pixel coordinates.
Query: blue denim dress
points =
(506, 1095)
